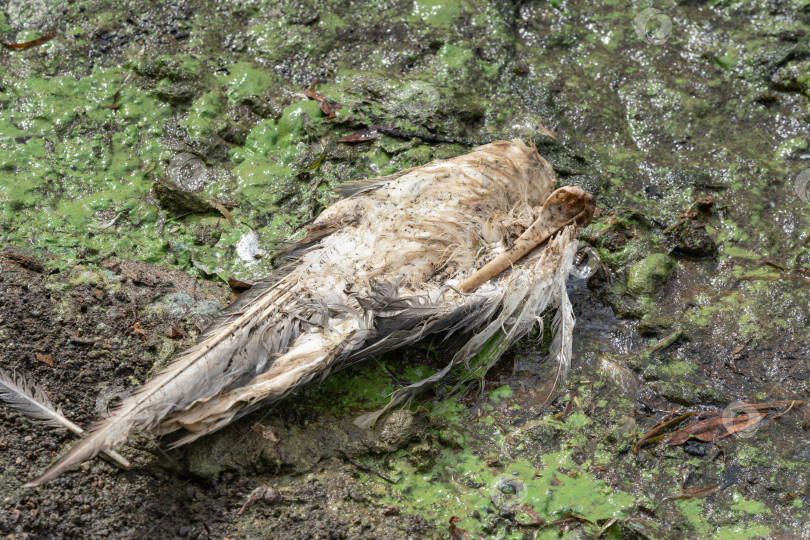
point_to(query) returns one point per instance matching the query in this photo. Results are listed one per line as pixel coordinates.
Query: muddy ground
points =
(153, 155)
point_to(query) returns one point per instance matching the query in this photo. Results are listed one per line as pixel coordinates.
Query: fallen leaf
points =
(224, 211)
(717, 427)
(175, 332)
(536, 520)
(731, 421)
(659, 430)
(45, 359)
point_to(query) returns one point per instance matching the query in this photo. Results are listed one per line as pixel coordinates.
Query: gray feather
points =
(30, 400)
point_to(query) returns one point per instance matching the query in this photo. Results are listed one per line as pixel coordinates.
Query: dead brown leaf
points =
(536, 520)
(45, 359)
(721, 425)
(659, 430)
(175, 332)
(222, 210)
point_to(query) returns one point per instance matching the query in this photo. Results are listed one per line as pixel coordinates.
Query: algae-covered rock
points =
(648, 274)
(689, 394)
(692, 240)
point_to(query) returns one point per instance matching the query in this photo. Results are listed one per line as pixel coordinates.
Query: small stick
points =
(555, 214)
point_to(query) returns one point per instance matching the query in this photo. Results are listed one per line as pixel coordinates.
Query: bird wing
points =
(239, 344)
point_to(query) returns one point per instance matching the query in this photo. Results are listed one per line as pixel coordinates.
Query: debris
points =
(362, 135)
(608, 524)
(176, 200)
(694, 493)
(327, 108)
(737, 417)
(45, 359)
(109, 223)
(175, 332)
(456, 531)
(716, 427)
(264, 492)
(536, 520)
(657, 432)
(662, 344)
(376, 131)
(224, 211)
(238, 286)
(39, 41)
(26, 261)
(700, 208)
(136, 329)
(265, 432)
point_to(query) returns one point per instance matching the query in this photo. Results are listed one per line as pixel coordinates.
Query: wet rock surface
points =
(107, 274)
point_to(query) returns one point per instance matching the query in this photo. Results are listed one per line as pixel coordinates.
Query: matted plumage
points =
(399, 258)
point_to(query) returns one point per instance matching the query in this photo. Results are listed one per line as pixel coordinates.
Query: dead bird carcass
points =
(397, 259)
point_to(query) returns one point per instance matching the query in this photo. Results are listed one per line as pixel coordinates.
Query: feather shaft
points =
(30, 400)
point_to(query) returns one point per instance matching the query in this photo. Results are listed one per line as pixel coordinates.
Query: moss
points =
(649, 274)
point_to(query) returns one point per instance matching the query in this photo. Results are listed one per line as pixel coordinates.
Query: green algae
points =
(470, 69)
(461, 483)
(696, 523)
(649, 274)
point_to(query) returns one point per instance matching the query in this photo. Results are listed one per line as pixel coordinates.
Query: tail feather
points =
(225, 355)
